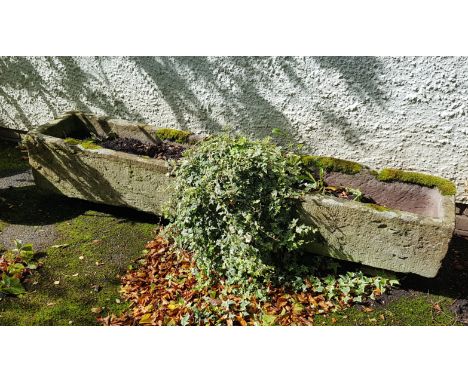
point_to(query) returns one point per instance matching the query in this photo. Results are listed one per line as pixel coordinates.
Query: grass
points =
(412, 310)
(97, 249)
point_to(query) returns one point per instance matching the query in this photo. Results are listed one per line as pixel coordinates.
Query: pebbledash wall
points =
(407, 112)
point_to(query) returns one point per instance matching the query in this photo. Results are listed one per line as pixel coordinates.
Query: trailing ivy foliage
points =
(234, 206)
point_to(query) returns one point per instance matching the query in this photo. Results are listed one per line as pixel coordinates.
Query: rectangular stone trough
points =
(98, 175)
(411, 234)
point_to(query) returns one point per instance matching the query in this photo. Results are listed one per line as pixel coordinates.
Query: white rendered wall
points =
(408, 112)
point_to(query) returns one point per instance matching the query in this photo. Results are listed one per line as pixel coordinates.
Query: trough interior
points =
(69, 127)
(81, 126)
(395, 195)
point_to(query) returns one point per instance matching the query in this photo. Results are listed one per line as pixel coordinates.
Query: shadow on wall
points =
(244, 103)
(21, 75)
(359, 73)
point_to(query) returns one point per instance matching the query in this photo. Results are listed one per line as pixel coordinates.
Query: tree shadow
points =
(242, 100)
(333, 120)
(359, 73)
(77, 88)
(452, 278)
(68, 168)
(175, 91)
(316, 244)
(29, 206)
(243, 90)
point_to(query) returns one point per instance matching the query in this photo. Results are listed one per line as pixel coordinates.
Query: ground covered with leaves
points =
(164, 290)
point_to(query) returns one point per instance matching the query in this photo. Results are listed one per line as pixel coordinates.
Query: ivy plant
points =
(234, 206)
(15, 265)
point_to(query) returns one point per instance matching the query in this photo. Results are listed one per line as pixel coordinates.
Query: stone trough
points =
(98, 175)
(410, 234)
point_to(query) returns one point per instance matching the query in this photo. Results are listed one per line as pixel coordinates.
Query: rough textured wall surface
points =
(408, 112)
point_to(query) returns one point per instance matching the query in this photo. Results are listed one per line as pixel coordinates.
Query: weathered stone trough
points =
(410, 234)
(98, 175)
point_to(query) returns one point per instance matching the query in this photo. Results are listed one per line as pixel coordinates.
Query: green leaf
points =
(11, 285)
(27, 247)
(185, 319)
(15, 268)
(298, 308)
(268, 319)
(146, 319)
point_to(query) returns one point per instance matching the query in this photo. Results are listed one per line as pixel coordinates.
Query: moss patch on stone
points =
(11, 160)
(332, 164)
(377, 207)
(86, 143)
(445, 186)
(173, 135)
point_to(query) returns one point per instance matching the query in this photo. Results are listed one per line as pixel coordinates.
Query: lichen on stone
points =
(86, 144)
(446, 187)
(173, 135)
(332, 164)
(378, 207)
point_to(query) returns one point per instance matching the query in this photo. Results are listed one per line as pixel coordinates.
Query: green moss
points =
(107, 245)
(445, 186)
(332, 164)
(417, 309)
(86, 144)
(378, 207)
(3, 225)
(173, 135)
(11, 160)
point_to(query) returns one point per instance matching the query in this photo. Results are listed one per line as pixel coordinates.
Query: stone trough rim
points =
(40, 133)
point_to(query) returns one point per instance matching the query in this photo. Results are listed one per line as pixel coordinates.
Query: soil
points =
(161, 150)
(344, 193)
